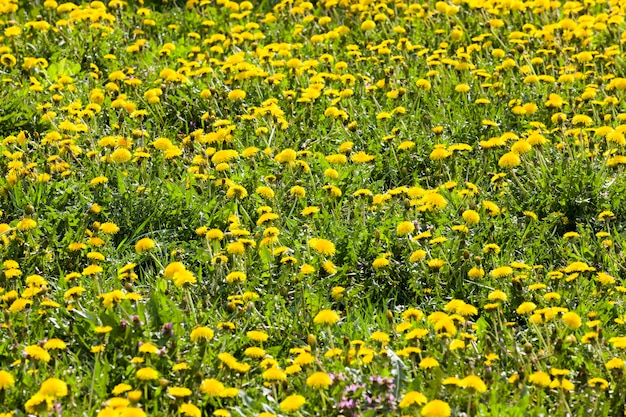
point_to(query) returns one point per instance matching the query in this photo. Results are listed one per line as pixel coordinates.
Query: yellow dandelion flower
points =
(53, 388)
(436, 408)
(236, 95)
(109, 228)
(37, 353)
(322, 246)
(292, 403)
(274, 374)
(471, 217)
(540, 378)
(412, 397)
(319, 380)
(526, 307)
(428, 363)
(144, 245)
(326, 317)
(473, 382)
(509, 160)
(179, 392)
(121, 155)
(405, 228)
(201, 333)
(6, 380)
(211, 387)
(147, 374)
(189, 410)
(257, 335)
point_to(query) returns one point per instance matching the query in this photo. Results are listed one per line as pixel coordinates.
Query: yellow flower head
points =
(292, 403)
(326, 317)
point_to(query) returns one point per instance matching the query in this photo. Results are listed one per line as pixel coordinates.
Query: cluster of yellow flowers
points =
(229, 207)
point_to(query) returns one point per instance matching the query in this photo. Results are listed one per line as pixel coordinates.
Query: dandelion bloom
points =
(539, 378)
(412, 397)
(37, 353)
(286, 156)
(132, 412)
(439, 153)
(121, 388)
(572, 320)
(189, 410)
(6, 380)
(211, 387)
(53, 388)
(380, 337)
(476, 272)
(417, 255)
(526, 307)
(615, 363)
(26, 224)
(326, 317)
(292, 403)
(257, 335)
(147, 374)
(474, 382)
(436, 408)
(184, 277)
(235, 276)
(201, 333)
(55, 344)
(36, 404)
(121, 155)
(497, 295)
(405, 228)
(102, 329)
(471, 217)
(329, 267)
(509, 160)
(599, 382)
(319, 380)
(109, 228)
(322, 246)
(172, 269)
(436, 263)
(274, 374)
(179, 392)
(501, 272)
(92, 270)
(254, 352)
(144, 245)
(380, 263)
(236, 94)
(368, 25)
(428, 363)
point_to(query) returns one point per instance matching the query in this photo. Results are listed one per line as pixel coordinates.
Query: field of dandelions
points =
(330, 208)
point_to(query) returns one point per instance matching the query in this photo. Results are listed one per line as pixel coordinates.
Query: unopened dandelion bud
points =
(558, 345)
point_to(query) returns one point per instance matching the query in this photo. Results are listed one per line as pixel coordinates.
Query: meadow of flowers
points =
(331, 208)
